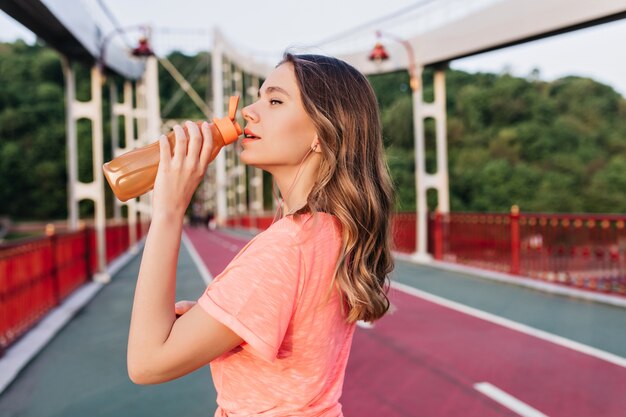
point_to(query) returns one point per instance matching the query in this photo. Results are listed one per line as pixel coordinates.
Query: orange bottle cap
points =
(228, 126)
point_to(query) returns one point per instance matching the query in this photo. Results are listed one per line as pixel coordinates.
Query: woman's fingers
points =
(180, 149)
(165, 153)
(195, 142)
(207, 145)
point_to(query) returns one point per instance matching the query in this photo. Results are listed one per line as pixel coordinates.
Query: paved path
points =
(425, 359)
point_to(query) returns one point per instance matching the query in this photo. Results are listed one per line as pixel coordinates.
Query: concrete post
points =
(423, 180)
(125, 109)
(94, 190)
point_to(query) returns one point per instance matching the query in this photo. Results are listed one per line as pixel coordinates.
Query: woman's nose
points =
(249, 114)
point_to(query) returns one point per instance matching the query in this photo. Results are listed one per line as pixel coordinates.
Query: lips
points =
(250, 134)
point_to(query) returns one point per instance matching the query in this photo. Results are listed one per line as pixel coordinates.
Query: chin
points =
(249, 161)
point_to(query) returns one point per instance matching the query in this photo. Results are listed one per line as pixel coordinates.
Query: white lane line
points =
(540, 334)
(204, 272)
(224, 243)
(508, 400)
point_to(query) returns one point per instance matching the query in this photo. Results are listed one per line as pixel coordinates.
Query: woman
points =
(276, 325)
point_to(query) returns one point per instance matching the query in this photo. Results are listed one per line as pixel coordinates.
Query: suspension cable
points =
(184, 84)
(195, 73)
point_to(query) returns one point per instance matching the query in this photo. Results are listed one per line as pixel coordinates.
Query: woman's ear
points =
(315, 147)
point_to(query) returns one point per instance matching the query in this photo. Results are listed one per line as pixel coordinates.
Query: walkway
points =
(454, 345)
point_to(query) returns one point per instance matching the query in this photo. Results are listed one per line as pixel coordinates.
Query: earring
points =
(314, 147)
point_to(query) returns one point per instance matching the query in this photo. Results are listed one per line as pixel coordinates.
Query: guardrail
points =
(586, 251)
(37, 274)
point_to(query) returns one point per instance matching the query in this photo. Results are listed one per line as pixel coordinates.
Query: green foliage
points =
(556, 147)
(546, 146)
(32, 138)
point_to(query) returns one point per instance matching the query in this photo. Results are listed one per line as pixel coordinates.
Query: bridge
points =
(493, 313)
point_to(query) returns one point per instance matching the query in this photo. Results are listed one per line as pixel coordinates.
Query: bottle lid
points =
(228, 126)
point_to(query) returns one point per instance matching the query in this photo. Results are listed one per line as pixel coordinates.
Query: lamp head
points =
(143, 49)
(379, 53)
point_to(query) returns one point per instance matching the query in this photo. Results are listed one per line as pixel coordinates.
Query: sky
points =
(269, 26)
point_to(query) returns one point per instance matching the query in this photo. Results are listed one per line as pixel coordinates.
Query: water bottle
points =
(133, 173)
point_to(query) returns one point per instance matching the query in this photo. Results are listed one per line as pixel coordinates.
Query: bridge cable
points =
(184, 84)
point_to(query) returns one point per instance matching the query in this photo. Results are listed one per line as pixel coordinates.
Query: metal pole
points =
(72, 164)
(98, 176)
(443, 188)
(421, 253)
(115, 141)
(218, 109)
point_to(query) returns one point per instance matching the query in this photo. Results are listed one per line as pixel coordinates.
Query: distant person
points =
(196, 214)
(210, 220)
(276, 325)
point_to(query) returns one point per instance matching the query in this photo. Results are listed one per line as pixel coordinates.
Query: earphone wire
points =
(282, 200)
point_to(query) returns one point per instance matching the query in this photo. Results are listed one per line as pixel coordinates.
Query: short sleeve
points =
(256, 294)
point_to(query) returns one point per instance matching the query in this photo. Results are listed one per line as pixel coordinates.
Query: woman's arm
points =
(161, 348)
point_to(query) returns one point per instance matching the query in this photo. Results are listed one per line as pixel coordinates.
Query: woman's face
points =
(284, 131)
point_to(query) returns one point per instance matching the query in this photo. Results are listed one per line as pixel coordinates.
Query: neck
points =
(295, 194)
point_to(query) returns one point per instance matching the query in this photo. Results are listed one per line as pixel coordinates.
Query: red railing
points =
(581, 250)
(586, 251)
(39, 273)
(261, 222)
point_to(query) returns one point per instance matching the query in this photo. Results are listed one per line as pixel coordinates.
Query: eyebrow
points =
(271, 89)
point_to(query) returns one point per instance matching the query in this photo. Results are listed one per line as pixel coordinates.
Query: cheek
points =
(293, 135)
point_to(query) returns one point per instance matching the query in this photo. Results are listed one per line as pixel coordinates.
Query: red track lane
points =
(424, 359)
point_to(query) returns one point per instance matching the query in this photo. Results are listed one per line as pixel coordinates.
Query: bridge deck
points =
(429, 357)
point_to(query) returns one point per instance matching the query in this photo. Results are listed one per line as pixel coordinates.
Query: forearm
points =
(153, 312)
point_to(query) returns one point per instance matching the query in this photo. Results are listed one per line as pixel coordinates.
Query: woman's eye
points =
(273, 101)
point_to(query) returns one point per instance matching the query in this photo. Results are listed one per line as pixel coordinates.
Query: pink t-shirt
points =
(296, 346)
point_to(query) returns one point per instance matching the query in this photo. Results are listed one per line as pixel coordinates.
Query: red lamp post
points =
(143, 49)
(379, 54)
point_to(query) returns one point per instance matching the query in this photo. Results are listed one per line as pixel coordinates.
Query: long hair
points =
(353, 181)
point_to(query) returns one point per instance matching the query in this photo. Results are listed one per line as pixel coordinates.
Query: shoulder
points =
(319, 223)
(291, 234)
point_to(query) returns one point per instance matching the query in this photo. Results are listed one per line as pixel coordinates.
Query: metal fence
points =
(37, 274)
(586, 251)
(581, 250)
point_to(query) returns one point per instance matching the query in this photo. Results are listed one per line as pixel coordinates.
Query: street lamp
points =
(143, 49)
(379, 54)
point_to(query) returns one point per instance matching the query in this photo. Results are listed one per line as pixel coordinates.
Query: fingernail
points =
(205, 124)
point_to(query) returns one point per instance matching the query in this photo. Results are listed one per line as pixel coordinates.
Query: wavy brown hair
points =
(353, 181)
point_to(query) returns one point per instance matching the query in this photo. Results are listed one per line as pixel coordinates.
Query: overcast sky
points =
(273, 25)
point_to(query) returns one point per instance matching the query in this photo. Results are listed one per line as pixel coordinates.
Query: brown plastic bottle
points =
(133, 173)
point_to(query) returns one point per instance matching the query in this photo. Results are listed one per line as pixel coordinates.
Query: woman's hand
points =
(178, 176)
(183, 306)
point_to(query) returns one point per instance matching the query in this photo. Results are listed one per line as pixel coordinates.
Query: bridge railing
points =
(585, 251)
(37, 274)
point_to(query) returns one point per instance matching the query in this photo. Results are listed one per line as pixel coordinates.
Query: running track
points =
(426, 359)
